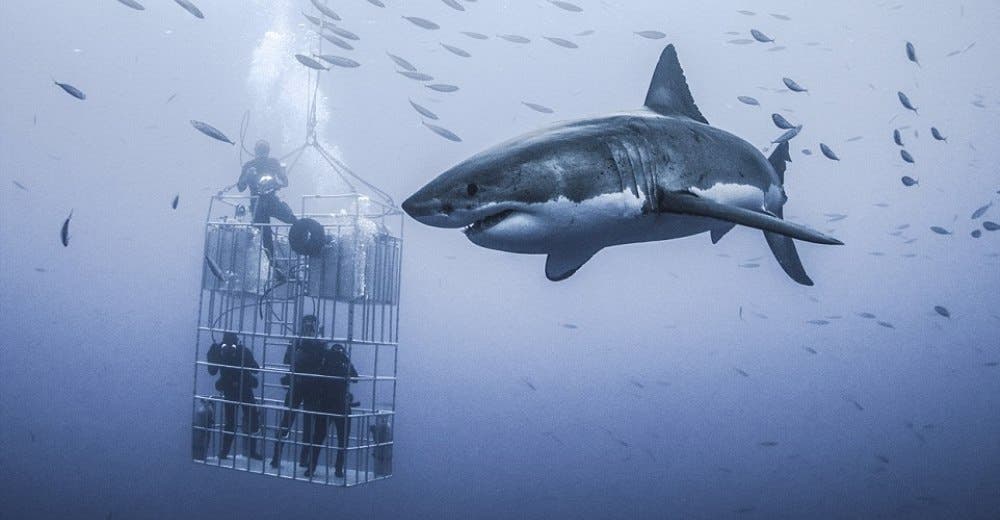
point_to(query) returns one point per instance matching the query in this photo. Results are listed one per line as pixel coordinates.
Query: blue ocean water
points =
(675, 379)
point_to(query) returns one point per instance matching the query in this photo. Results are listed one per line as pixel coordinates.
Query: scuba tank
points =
(201, 428)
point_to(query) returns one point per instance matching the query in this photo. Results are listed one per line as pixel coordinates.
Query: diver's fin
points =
(784, 251)
(687, 203)
(719, 232)
(779, 159)
(560, 266)
(668, 92)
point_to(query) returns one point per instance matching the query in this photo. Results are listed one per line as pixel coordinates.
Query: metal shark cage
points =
(351, 285)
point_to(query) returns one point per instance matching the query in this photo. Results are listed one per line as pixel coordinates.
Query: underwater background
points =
(672, 379)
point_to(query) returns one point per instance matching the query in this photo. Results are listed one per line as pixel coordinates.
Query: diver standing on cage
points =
(236, 368)
(305, 358)
(265, 175)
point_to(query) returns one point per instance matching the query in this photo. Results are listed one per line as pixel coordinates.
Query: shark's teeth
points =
(488, 222)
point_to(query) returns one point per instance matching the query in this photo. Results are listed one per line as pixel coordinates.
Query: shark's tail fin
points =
(782, 246)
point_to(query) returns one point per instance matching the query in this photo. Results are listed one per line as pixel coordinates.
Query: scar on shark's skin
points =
(657, 173)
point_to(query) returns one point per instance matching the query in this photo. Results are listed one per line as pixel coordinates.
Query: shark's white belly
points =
(606, 220)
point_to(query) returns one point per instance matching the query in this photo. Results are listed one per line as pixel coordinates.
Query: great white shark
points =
(657, 173)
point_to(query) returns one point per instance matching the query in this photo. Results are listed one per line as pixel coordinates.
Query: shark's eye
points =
(472, 189)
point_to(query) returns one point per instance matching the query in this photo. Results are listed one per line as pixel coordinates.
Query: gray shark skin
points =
(656, 173)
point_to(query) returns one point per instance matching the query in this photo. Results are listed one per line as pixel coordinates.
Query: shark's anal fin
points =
(686, 203)
(719, 232)
(668, 91)
(563, 264)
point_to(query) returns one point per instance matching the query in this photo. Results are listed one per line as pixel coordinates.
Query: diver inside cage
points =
(319, 382)
(264, 175)
(236, 367)
(305, 359)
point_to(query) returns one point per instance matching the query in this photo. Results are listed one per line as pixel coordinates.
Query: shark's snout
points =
(432, 211)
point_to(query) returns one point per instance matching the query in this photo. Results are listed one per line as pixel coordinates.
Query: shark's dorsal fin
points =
(562, 264)
(668, 92)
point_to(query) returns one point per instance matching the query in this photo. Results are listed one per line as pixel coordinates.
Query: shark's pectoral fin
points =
(719, 232)
(562, 264)
(784, 250)
(687, 203)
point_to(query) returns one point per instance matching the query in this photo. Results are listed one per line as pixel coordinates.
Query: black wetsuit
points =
(236, 382)
(335, 399)
(305, 358)
(264, 206)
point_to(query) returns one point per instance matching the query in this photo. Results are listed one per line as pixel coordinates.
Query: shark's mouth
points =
(486, 223)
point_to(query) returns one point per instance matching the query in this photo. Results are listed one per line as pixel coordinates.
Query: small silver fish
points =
(339, 61)
(906, 156)
(419, 76)
(514, 38)
(475, 35)
(321, 6)
(897, 136)
(443, 132)
(423, 111)
(793, 86)
(943, 311)
(403, 64)
(740, 41)
(911, 53)
(191, 8)
(456, 50)
(211, 131)
(133, 4)
(909, 181)
(343, 33)
(867, 315)
(309, 62)
(336, 40)
(454, 5)
(940, 230)
(64, 231)
(937, 134)
(780, 122)
(828, 152)
(376, 3)
(538, 108)
(562, 42)
(651, 35)
(442, 87)
(905, 100)
(573, 8)
(788, 135)
(423, 23)
(173, 203)
(747, 100)
(19, 185)
(761, 37)
(990, 226)
(71, 90)
(981, 211)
